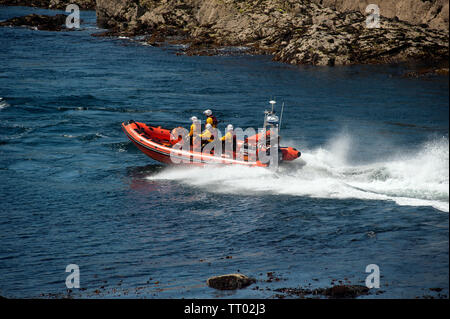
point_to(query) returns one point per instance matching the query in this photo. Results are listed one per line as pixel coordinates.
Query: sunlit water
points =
(371, 186)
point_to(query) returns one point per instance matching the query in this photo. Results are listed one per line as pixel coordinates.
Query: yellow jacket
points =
(227, 137)
(191, 132)
(207, 135)
(209, 120)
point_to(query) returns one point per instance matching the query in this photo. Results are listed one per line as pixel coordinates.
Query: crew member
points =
(210, 118)
(229, 137)
(194, 120)
(208, 134)
(193, 132)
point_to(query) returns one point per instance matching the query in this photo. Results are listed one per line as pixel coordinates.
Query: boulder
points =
(230, 282)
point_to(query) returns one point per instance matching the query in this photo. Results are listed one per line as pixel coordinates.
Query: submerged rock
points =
(229, 282)
(426, 72)
(340, 291)
(40, 22)
(346, 291)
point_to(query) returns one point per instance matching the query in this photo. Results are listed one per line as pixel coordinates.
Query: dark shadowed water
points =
(371, 187)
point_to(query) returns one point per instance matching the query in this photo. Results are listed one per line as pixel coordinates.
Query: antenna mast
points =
(281, 117)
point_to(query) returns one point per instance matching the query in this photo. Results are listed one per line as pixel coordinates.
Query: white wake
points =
(415, 178)
(3, 103)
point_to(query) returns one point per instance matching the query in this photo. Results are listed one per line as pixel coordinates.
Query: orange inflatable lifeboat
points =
(158, 143)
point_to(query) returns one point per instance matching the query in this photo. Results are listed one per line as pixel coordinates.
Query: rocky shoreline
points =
(430, 13)
(38, 22)
(297, 32)
(269, 285)
(292, 31)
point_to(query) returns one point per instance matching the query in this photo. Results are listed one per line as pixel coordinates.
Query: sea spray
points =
(416, 178)
(3, 103)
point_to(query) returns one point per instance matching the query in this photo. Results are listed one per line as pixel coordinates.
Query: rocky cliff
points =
(433, 13)
(50, 4)
(293, 31)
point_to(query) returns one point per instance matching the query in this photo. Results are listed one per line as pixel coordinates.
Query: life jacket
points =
(229, 136)
(207, 136)
(193, 127)
(227, 139)
(214, 120)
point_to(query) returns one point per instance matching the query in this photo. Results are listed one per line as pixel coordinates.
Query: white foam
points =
(419, 178)
(3, 103)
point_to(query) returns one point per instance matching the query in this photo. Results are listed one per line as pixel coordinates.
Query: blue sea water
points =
(371, 186)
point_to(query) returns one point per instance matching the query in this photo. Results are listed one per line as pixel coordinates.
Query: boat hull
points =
(156, 143)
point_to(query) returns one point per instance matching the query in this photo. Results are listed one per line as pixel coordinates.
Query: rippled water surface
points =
(371, 186)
